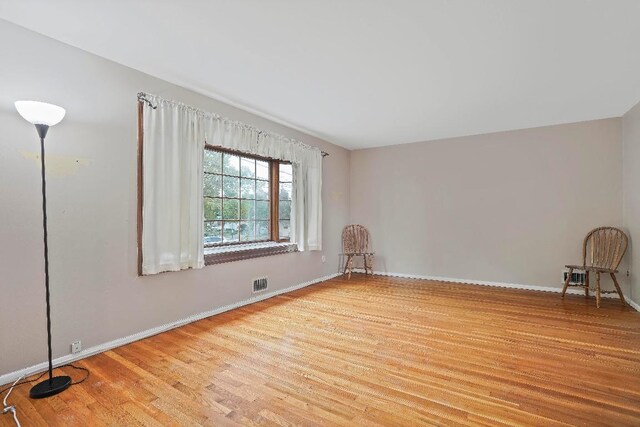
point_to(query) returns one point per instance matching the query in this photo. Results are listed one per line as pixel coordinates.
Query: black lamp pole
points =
(52, 385)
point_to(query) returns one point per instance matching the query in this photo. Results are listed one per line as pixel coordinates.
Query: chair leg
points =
(346, 264)
(598, 289)
(350, 266)
(566, 282)
(586, 284)
(615, 283)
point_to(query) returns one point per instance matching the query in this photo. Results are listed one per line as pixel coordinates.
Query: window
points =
(246, 198)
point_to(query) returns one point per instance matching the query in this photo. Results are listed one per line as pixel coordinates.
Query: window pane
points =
(230, 231)
(231, 186)
(230, 209)
(262, 169)
(247, 167)
(285, 191)
(212, 208)
(284, 210)
(285, 231)
(262, 210)
(231, 164)
(237, 191)
(247, 231)
(247, 209)
(262, 230)
(212, 161)
(262, 190)
(212, 185)
(212, 232)
(286, 173)
(248, 188)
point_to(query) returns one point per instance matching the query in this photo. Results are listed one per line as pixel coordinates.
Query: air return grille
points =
(576, 277)
(259, 284)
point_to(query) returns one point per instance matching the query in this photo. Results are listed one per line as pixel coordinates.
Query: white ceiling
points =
(364, 73)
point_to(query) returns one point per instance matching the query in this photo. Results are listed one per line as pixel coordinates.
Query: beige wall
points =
(505, 207)
(631, 191)
(96, 295)
(508, 207)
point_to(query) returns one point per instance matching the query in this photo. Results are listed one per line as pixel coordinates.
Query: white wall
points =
(631, 191)
(96, 294)
(504, 207)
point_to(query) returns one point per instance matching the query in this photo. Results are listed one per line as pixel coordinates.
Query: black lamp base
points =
(49, 387)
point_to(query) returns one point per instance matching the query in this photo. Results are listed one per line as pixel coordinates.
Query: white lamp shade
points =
(40, 113)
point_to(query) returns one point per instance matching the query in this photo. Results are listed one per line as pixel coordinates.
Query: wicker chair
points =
(602, 251)
(356, 242)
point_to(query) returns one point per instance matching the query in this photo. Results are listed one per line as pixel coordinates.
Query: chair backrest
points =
(604, 247)
(355, 239)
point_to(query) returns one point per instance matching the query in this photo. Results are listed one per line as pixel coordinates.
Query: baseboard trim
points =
(12, 376)
(497, 284)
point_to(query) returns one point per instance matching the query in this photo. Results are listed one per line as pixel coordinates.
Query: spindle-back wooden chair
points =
(356, 242)
(602, 251)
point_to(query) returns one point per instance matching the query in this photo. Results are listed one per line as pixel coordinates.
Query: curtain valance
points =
(236, 135)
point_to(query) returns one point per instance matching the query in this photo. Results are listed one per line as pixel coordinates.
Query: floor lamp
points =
(44, 115)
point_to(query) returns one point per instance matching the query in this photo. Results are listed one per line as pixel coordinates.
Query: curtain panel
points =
(173, 144)
(173, 149)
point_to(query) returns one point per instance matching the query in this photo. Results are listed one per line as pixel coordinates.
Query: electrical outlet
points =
(76, 347)
(628, 273)
(324, 259)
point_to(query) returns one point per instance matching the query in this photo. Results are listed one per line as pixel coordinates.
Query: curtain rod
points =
(142, 97)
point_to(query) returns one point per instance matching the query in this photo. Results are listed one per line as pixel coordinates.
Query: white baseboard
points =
(12, 376)
(498, 284)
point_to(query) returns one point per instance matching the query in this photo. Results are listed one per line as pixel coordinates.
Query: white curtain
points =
(306, 203)
(172, 226)
(173, 142)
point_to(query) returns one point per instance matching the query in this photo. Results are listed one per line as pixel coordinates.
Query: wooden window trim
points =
(275, 201)
(140, 184)
(248, 253)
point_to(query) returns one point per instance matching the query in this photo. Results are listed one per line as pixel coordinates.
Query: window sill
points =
(222, 254)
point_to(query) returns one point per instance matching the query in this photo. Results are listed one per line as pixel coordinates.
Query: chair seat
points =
(591, 268)
(358, 253)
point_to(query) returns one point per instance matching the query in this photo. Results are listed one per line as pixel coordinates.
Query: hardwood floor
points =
(370, 351)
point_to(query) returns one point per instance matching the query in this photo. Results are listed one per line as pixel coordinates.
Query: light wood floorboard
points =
(370, 351)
